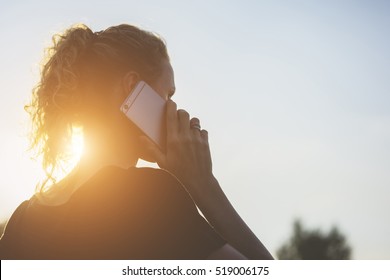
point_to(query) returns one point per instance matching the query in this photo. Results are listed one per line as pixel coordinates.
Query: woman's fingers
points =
(184, 120)
(179, 120)
(195, 124)
(205, 135)
(172, 121)
(195, 127)
(187, 152)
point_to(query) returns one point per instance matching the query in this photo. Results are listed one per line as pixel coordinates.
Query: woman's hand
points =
(187, 153)
(188, 158)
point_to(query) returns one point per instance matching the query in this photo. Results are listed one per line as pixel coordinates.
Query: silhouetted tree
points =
(315, 245)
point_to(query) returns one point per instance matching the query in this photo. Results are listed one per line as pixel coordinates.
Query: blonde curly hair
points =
(77, 58)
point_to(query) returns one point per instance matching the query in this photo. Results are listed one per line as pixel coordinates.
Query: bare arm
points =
(188, 158)
(226, 252)
(217, 209)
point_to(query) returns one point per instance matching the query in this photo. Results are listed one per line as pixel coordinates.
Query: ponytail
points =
(54, 98)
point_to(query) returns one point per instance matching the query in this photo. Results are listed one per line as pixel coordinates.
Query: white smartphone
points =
(146, 109)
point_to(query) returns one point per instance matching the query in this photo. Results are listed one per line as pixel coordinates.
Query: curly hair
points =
(75, 58)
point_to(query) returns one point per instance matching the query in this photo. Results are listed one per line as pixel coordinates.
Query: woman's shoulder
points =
(114, 185)
(129, 186)
(112, 178)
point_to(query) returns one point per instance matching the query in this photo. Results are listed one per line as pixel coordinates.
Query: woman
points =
(106, 208)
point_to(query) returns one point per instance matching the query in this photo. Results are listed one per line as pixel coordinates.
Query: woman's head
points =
(85, 77)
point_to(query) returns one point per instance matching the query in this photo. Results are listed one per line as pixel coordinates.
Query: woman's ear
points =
(122, 88)
(129, 81)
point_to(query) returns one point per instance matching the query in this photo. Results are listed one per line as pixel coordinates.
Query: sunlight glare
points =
(75, 152)
(77, 146)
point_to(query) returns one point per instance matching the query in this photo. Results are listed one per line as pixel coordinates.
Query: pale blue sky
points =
(295, 97)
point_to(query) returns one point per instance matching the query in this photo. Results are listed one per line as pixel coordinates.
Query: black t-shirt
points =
(139, 213)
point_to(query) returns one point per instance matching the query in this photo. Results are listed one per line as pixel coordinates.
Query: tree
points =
(314, 245)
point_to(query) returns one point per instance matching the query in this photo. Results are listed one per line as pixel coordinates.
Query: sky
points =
(294, 94)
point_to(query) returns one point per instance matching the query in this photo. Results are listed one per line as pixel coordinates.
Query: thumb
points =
(152, 150)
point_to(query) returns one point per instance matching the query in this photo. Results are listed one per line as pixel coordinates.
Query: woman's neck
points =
(101, 152)
(97, 155)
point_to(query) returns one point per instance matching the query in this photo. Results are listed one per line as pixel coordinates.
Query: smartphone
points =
(146, 109)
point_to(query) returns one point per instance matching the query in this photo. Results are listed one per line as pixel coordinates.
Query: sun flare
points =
(77, 146)
(74, 154)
